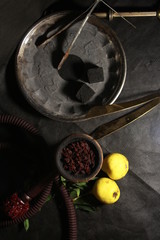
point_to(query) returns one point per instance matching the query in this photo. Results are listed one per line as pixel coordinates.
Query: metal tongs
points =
(145, 105)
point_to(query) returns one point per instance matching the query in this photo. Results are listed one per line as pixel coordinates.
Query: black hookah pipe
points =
(18, 207)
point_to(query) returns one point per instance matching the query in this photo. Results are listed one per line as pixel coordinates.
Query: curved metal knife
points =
(104, 110)
(125, 120)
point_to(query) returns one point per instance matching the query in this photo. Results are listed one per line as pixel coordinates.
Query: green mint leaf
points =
(49, 198)
(63, 180)
(73, 194)
(78, 192)
(26, 224)
(95, 178)
(87, 207)
(82, 187)
(81, 184)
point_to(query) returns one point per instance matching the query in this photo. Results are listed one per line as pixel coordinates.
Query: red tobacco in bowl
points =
(79, 158)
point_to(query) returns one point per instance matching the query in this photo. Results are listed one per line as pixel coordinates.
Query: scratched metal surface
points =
(51, 93)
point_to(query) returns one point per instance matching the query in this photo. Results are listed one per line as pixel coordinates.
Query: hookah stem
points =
(36, 189)
(36, 206)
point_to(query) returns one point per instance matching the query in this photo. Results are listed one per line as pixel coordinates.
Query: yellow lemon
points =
(106, 190)
(115, 165)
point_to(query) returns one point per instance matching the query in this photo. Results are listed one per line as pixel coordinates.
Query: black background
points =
(137, 214)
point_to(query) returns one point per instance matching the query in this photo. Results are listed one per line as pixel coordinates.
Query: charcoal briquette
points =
(95, 75)
(84, 93)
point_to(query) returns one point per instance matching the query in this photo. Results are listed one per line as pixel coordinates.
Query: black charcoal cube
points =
(84, 93)
(95, 75)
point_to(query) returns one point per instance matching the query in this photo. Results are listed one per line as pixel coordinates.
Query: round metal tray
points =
(46, 89)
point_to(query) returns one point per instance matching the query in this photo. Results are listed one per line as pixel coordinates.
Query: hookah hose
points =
(70, 210)
(38, 194)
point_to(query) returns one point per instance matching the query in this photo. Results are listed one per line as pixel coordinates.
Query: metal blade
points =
(98, 111)
(123, 121)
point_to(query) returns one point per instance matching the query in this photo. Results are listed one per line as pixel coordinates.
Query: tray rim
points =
(111, 34)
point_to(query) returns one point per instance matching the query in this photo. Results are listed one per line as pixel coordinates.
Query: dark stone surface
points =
(136, 216)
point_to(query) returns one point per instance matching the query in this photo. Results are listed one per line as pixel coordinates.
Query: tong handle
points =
(110, 127)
